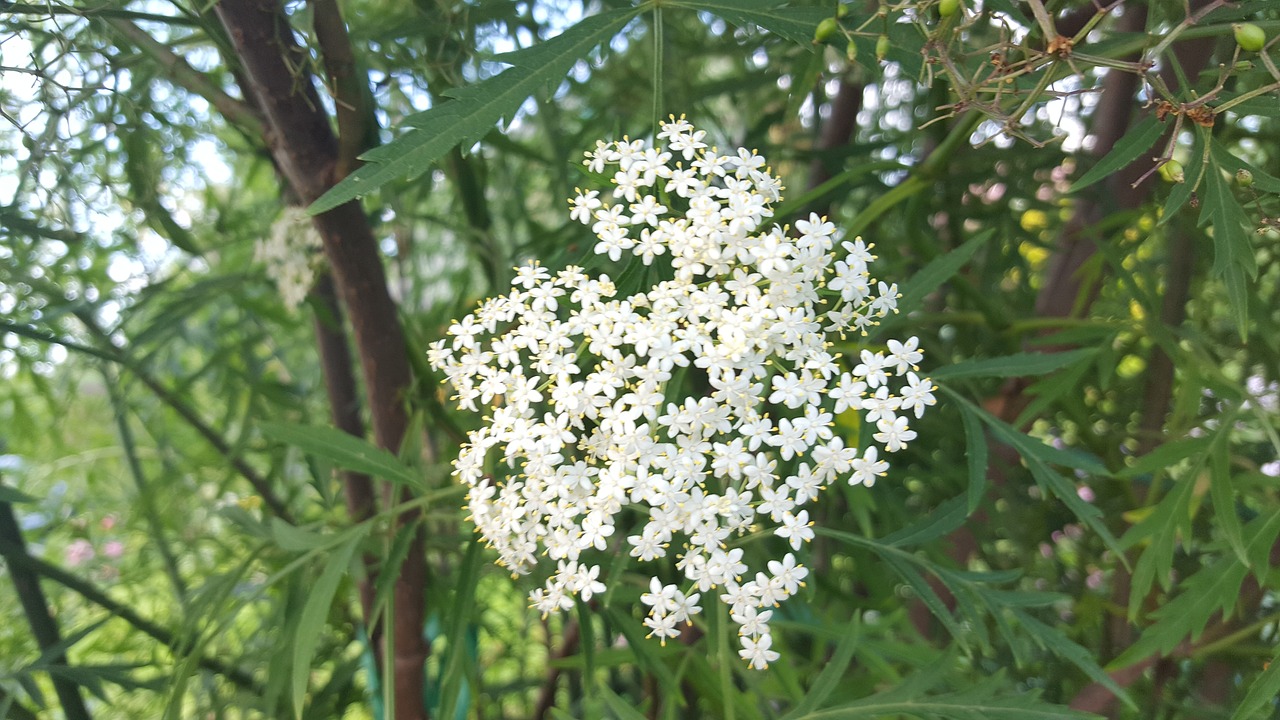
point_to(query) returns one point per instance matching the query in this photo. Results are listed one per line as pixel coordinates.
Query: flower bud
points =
(1244, 178)
(1249, 37)
(882, 47)
(1171, 171)
(826, 29)
(851, 51)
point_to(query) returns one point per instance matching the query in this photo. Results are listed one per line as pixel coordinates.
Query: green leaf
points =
(1018, 365)
(1233, 258)
(975, 447)
(983, 701)
(1223, 493)
(621, 708)
(1262, 693)
(938, 271)
(832, 671)
(345, 451)
(794, 24)
(461, 611)
(393, 559)
(1182, 192)
(1214, 588)
(1166, 455)
(13, 495)
(948, 516)
(1054, 641)
(1262, 181)
(1137, 141)
(295, 539)
(312, 620)
(1038, 457)
(475, 109)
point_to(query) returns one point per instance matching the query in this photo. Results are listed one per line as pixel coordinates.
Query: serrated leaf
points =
(1262, 181)
(1214, 588)
(345, 451)
(475, 109)
(1223, 493)
(1039, 457)
(927, 595)
(312, 620)
(1262, 692)
(975, 451)
(1137, 141)
(832, 671)
(946, 517)
(1054, 641)
(794, 24)
(1166, 455)
(1233, 257)
(936, 272)
(981, 702)
(1017, 365)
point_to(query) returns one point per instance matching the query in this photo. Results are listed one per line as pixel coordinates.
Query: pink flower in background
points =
(113, 549)
(108, 522)
(79, 552)
(1086, 493)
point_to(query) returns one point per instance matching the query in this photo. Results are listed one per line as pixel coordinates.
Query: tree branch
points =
(183, 75)
(18, 558)
(36, 609)
(304, 146)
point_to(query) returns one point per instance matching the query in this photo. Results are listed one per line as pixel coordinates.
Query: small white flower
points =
(584, 425)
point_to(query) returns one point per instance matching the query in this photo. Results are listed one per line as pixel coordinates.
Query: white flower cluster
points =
(291, 255)
(693, 414)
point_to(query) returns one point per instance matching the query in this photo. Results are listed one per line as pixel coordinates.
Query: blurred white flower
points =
(291, 255)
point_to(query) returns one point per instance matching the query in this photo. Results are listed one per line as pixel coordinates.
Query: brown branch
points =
(837, 132)
(47, 10)
(36, 609)
(568, 646)
(303, 145)
(350, 90)
(344, 409)
(17, 557)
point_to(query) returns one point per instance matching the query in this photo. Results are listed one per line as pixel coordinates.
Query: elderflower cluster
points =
(675, 422)
(291, 255)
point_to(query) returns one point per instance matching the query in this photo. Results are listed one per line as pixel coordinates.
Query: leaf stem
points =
(657, 66)
(725, 658)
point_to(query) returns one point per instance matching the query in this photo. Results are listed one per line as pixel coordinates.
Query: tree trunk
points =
(307, 151)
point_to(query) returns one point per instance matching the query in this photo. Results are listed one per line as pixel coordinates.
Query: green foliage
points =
(1094, 491)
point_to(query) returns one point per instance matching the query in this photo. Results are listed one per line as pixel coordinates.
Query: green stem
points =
(146, 496)
(920, 179)
(657, 66)
(726, 659)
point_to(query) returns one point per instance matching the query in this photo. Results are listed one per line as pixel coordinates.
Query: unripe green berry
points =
(882, 47)
(826, 29)
(1171, 171)
(947, 8)
(851, 51)
(1249, 37)
(1244, 178)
